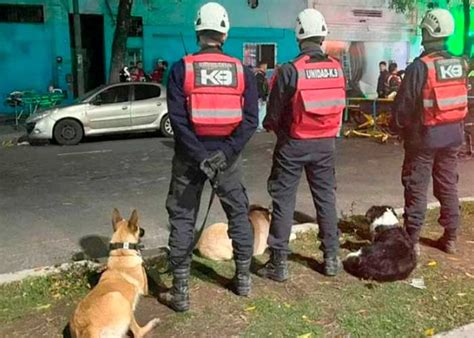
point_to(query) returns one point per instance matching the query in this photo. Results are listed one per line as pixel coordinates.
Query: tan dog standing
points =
(216, 245)
(108, 310)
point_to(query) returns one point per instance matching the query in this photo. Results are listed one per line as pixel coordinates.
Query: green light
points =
(456, 41)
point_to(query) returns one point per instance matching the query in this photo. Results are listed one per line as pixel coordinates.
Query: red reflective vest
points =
(319, 100)
(445, 91)
(214, 85)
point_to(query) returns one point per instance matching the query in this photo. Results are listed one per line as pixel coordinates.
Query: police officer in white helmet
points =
(305, 111)
(428, 112)
(212, 104)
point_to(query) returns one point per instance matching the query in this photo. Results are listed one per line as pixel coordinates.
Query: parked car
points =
(115, 108)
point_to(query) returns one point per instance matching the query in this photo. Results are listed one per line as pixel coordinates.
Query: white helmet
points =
(309, 23)
(439, 23)
(212, 16)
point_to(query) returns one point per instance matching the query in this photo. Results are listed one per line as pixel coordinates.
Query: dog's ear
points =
(116, 218)
(133, 221)
(371, 214)
(394, 212)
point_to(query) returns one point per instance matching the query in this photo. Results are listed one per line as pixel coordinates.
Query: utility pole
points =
(79, 59)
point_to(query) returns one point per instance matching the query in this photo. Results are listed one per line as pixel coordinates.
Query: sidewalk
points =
(466, 331)
(9, 133)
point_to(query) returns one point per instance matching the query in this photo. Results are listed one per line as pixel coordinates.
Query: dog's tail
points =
(366, 268)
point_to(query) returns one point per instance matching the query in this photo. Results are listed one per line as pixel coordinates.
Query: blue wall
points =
(163, 42)
(28, 51)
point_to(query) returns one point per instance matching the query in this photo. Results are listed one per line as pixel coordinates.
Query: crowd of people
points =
(136, 73)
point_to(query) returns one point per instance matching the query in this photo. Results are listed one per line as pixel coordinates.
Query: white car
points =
(115, 108)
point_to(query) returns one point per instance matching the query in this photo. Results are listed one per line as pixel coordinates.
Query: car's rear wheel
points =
(165, 126)
(68, 132)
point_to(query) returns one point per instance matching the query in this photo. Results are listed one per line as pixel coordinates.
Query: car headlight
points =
(39, 116)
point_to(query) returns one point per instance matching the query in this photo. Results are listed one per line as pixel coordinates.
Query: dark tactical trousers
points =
(183, 203)
(418, 167)
(317, 158)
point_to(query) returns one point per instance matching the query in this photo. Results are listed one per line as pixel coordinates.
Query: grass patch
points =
(307, 305)
(280, 317)
(401, 310)
(35, 295)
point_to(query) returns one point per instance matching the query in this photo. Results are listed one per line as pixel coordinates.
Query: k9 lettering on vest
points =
(449, 69)
(451, 72)
(216, 77)
(326, 73)
(214, 74)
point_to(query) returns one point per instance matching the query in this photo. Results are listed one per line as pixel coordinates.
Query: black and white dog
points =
(390, 257)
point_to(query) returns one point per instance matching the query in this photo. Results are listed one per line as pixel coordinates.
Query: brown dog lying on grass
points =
(216, 245)
(108, 310)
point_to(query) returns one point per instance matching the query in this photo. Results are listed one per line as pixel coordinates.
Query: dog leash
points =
(214, 184)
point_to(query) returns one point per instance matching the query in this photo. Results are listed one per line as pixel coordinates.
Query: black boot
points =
(332, 265)
(242, 281)
(415, 239)
(276, 268)
(178, 296)
(447, 243)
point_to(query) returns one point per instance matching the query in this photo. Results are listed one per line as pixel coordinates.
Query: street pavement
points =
(57, 201)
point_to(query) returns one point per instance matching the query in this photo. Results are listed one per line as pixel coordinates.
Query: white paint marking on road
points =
(86, 152)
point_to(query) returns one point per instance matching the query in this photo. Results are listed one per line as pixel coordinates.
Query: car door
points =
(147, 103)
(110, 108)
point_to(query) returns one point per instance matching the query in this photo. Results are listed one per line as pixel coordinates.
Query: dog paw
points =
(154, 322)
(354, 254)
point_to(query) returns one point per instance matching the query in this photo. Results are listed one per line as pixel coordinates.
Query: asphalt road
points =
(57, 201)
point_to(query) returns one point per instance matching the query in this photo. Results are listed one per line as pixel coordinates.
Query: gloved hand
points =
(211, 165)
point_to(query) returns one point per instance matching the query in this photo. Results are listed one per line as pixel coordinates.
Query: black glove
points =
(212, 165)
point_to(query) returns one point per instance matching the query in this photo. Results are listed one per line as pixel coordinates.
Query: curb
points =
(148, 253)
(44, 271)
(434, 205)
(466, 331)
(10, 140)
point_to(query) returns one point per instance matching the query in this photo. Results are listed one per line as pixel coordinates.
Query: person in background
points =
(137, 73)
(429, 110)
(401, 74)
(273, 78)
(393, 81)
(159, 71)
(125, 75)
(382, 79)
(262, 87)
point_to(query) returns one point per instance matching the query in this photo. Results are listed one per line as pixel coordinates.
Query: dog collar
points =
(125, 246)
(382, 228)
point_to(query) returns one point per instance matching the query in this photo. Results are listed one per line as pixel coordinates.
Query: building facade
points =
(37, 37)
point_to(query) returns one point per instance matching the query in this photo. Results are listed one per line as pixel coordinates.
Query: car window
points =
(145, 92)
(115, 95)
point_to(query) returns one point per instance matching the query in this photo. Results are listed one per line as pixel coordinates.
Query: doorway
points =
(92, 34)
